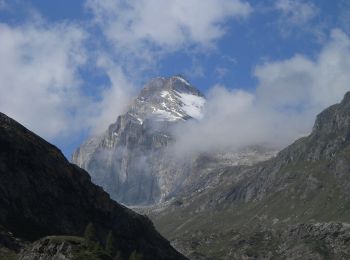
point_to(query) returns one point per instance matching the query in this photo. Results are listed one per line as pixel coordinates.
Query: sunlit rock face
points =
(130, 160)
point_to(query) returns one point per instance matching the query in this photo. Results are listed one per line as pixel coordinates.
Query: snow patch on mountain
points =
(165, 115)
(192, 105)
(181, 105)
(167, 95)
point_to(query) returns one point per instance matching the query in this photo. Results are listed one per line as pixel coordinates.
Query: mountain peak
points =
(130, 160)
(335, 119)
(329, 136)
(174, 83)
(168, 99)
(346, 98)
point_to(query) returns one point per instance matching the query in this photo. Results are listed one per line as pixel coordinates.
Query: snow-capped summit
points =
(168, 99)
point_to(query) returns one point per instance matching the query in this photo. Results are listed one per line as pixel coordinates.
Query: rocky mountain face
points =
(42, 194)
(131, 160)
(294, 204)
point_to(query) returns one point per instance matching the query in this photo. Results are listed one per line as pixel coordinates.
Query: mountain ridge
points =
(305, 187)
(43, 194)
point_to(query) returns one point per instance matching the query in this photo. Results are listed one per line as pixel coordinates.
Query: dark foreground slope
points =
(42, 194)
(290, 203)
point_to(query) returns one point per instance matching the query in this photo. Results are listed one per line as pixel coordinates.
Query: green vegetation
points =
(6, 254)
(91, 253)
(69, 239)
(80, 249)
(90, 234)
(311, 193)
(118, 256)
(135, 256)
(111, 248)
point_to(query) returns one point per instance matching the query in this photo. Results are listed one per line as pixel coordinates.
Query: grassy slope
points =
(312, 194)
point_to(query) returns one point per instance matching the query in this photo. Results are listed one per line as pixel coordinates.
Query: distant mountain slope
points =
(308, 182)
(42, 194)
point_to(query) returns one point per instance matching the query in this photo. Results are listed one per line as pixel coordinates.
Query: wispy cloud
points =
(114, 99)
(297, 12)
(3, 5)
(221, 72)
(298, 16)
(344, 15)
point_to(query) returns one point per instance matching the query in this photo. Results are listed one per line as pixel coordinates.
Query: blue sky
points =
(70, 67)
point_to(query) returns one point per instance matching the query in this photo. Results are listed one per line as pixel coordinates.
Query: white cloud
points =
(344, 15)
(302, 82)
(41, 86)
(114, 98)
(297, 12)
(217, 130)
(168, 25)
(38, 75)
(298, 16)
(289, 95)
(221, 72)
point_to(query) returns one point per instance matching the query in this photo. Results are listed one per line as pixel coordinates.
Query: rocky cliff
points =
(42, 194)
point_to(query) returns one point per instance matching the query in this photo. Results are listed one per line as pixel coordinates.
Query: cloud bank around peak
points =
(289, 95)
(46, 67)
(42, 80)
